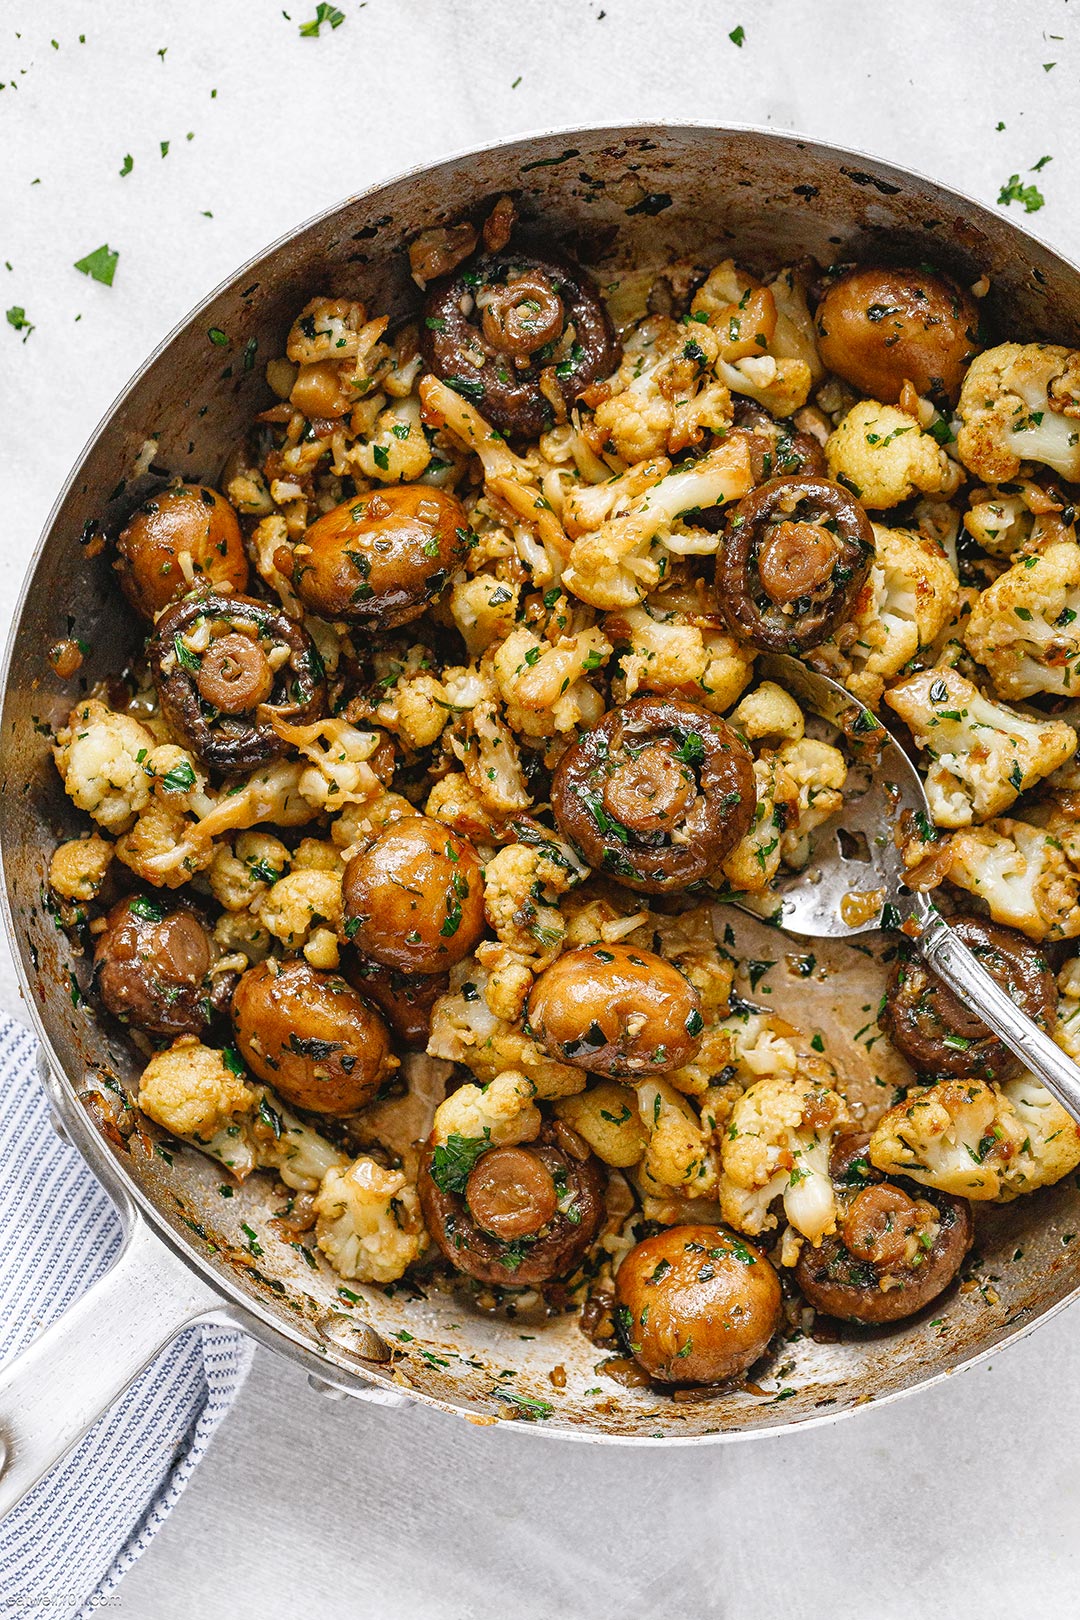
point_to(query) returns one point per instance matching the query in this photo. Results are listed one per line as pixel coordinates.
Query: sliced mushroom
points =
(225, 668)
(656, 794)
(796, 553)
(521, 335)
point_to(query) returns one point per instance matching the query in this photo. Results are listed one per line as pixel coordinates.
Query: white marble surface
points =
(961, 1502)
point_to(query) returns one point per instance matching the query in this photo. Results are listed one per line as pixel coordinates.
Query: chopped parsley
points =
(452, 1162)
(1030, 196)
(323, 14)
(99, 265)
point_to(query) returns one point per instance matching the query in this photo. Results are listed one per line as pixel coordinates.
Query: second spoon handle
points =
(961, 970)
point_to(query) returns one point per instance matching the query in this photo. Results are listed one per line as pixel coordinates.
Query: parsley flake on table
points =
(16, 317)
(101, 264)
(164, 148)
(129, 164)
(1043, 161)
(737, 36)
(1012, 191)
(323, 14)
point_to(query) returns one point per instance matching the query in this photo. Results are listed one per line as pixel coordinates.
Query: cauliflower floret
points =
(239, 933)
(271, 793)
(464, 1029)
(454, 800)
(614, 566)
(522, 885)
(1021, 626)
(1067, 1034)
(884, 457)
(1051, 1145)
(302, 906)
(947, 1136)
(768, 714)
(754, 861)
(396, 450)
(1018, 517)
(369, 1224)
(983, 755)
(606, 1117)
(819, 773)
(101, 755)
(542, 683)
(777, 1142)
(328, 329)
(78, 869)
(194, 1091)
(492, 760)
(416, 707)
(662, 396)
(759, 355)
(914, 593)
(502, 1112)
(484, 609)
(241, 872)
(339, 773)
(1022, 874)
(165, 847)
(679, 1155)
(660, 651)
(1020, 402)
(284, 1143)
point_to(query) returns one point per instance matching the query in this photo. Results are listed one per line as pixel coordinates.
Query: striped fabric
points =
(73, 1538)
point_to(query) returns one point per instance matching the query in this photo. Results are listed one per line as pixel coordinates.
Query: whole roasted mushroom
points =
(616, 1010)
(521, 335)
(382, 558)
(796, 554)
(188, 535)
(152, 967)
(311, 1036)
(896, 1247)
(516, 1216)
(225, 668)
(696, 1304)
(414, 896)
(933, 1028)
(880, 327)
(656, 794)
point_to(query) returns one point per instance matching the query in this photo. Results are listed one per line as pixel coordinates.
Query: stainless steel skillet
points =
(616, 196)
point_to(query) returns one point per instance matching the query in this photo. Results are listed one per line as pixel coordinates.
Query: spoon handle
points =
(961, 970)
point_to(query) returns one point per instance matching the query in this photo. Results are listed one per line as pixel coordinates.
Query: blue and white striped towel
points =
(71, 1541)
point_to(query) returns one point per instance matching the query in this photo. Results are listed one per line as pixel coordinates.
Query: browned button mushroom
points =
(896, 1247)
(696, 1304)
(515, 1236)
(381, 558)
(152, 965)
(616, 1010)
(879, 328)
(938, 1034)
(796, 554)
(656, 794)
(511, 1193)
(414, 897)
(185, 536)
(225, 667)
(518, 334)
(311, 1036)
(404, 999)
(777, 448)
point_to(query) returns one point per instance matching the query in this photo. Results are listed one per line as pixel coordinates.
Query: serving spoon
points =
(856, 882)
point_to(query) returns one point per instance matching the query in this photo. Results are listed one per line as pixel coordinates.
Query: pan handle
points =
(70, 1375)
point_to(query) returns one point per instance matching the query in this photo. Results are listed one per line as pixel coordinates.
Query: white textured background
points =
(962, 1502)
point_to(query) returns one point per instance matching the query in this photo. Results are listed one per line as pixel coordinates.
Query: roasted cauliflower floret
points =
(241, 872)
(663, 396)
(1020, 402)
(369, 1224)
(679, 1155)
(1051, 1145)
(954, 1136)
(768, 714)
(396, 450)
(101, 756)
(485, 611)
(1018, 518)
(606, 1116)
(542, 683)
(819, 773)
(882, 455)
(661, 649)
(522, 885)
(754, 861)
(303, 911)
(282, 1142)
(763, 353)
(617, 564)
(1025, 627)
(777, 1143)
(914, 594)
(78, 869)
(1023, 875)
(982, 754)
(193, 1090)
(503, 1112)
